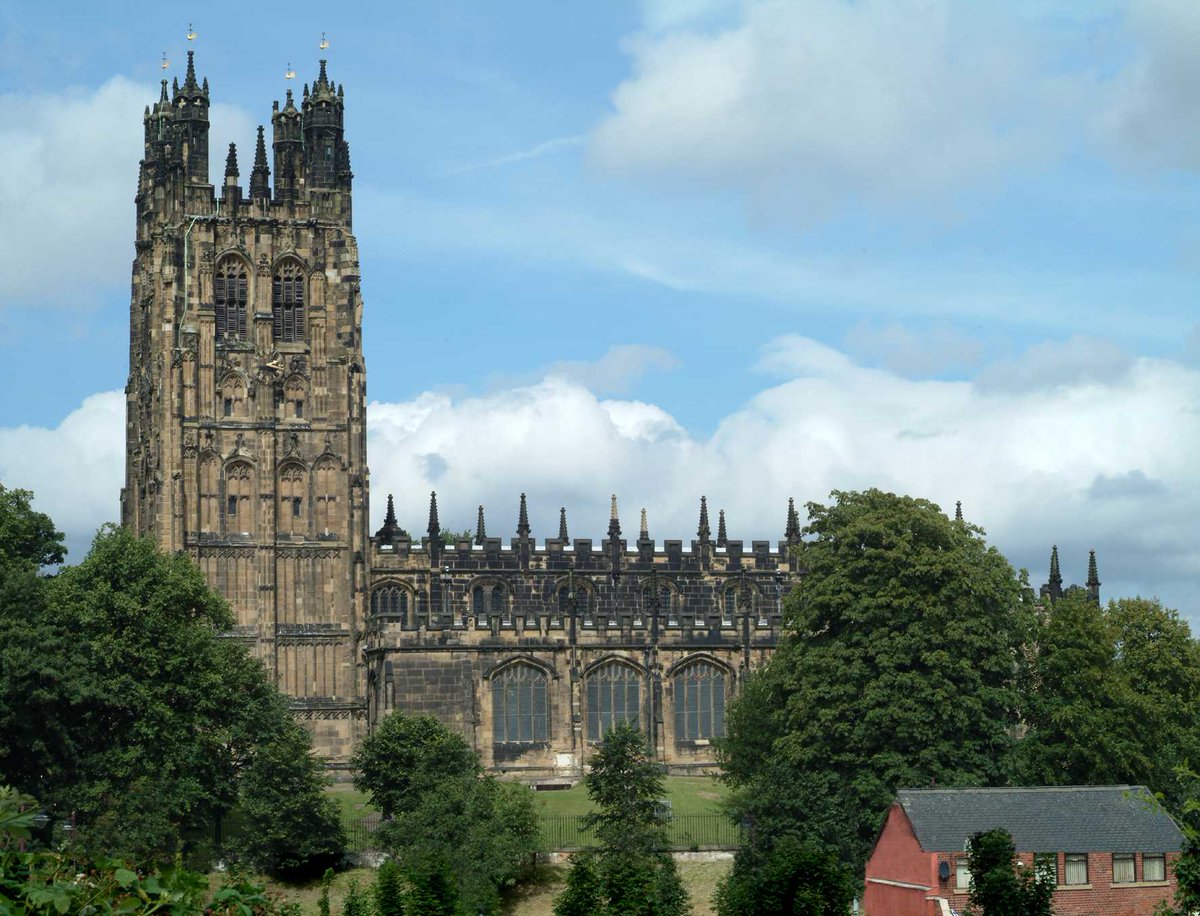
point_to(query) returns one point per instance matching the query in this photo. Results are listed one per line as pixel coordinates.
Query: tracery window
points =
(239, 505)
(233, 393)
(519, 705)
(293, 487)
(699, 702)
(329, 520)
(614, 695)
(390, 601)
(210, 495)
(229, 299)
(287, 303)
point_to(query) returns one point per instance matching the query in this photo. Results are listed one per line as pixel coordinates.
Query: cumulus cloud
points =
(75, 470)
(68, 172)
(1077, 463)
(805, 107)
(1078, 361)
(1082, 462)
(617, 371)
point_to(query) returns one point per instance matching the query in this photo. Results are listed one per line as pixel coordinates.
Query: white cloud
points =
(616, 372)
(1081, 461)
(1078, 361)
(75, 470)
(68, 173)
(806, 107)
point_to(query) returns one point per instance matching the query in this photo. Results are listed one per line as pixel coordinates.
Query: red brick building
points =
(1110, 851)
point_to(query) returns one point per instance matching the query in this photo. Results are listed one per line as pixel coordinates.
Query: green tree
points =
(899, 663)
(1114, 697)
(630, 871)
(998, 887)
(290, 827)
(794, 848)
(27, 538)
(146, 718)
(389, 889)
(449, 824)
(405, 757)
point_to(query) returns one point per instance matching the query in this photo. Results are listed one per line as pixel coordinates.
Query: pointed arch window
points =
(293, 487)
(389, 601)
(519, 713)
(287, 303)
(230, 290)
(699, 702)
(614, 695)
(239, 505)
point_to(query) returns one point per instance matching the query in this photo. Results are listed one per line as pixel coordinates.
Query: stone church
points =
(246, 448)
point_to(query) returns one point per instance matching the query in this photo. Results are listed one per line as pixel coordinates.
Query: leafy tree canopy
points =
(899, 666)
(998, 887)
(123, 706)
(1114, 696)
(630, 871)
(27, 538)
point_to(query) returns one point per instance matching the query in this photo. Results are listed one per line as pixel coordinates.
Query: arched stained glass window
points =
(519, 705)
(287, 303)
(699, 702)
(614, 695)
(229, 299)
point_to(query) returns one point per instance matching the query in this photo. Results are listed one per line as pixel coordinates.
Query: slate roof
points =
(1049, 819)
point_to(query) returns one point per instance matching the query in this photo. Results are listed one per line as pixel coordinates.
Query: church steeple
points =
(1093, 579)
(260, 175)
(435, 529)
(703, 532)
(480, 528)
(792, 532)
(614, 522)
(562, 524)
(722, 538)
(523, 520)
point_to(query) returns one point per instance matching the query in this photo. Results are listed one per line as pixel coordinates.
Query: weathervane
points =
(165, 63)
(289, 73)
(191, 33)
(324, 42)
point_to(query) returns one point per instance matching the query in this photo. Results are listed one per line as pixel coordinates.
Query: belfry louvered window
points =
(519, 705)
(287, 303)
(229, 299)
(699, 702)
(614, 695)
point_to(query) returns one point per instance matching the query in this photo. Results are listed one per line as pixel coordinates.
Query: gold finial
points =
(324, 42)
(191, 35)
(165, 63)
(289, 73)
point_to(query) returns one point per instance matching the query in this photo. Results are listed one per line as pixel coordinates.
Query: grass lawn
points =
(351, 803)
(687, 794)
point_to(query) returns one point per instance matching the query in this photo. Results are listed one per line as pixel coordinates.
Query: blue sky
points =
(756, 249)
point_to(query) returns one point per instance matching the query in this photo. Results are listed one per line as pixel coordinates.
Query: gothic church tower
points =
(245, 432)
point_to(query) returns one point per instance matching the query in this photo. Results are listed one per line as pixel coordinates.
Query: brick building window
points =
(519, 705)
(1154, 868)
(287, 303)
(614, 695)
(229, 299)
(962, 874)
(699, 702)
(1076, 868)
(1123, 871)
